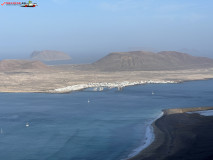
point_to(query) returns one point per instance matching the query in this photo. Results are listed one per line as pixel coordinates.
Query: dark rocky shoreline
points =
(181, 136)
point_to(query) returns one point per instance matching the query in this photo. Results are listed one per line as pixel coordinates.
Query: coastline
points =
(171, 130)
(100, 86)
(149, 138)
(64, 80)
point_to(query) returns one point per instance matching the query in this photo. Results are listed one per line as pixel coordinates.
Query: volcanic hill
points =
(149, 61)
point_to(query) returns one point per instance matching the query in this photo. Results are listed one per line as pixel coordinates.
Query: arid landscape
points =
(106, 80)
(35, 76)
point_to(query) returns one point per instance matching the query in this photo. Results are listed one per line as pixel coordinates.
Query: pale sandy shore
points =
(181, 134)
(54, 79)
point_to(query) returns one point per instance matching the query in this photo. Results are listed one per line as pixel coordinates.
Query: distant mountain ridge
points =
(147, 61)
(10, 64)
(49, 55)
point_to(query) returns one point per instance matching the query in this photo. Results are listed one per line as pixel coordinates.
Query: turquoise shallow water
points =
(110, 127)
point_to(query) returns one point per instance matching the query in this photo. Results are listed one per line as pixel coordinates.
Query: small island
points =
(115, 70)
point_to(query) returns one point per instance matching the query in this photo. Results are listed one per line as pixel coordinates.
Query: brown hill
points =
(141, 60)
(7, 65)
(48, 55)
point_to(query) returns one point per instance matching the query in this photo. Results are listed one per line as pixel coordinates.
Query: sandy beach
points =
(181, 134)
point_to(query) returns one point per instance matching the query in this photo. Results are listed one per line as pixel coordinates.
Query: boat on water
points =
(95, 89)
(153, 93)
(101, 88)
(27, 124)
(88, 101)
(120, 88)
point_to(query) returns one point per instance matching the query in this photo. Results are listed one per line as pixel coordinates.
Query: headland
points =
(181, 135)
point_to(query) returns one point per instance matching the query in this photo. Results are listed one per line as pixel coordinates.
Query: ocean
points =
(112, 126)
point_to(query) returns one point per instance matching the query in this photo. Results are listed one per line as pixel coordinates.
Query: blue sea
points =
(110, 127)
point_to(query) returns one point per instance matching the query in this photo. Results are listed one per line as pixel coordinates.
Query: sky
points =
(89, 29)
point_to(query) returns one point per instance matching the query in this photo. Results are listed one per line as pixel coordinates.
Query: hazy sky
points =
(93, 28)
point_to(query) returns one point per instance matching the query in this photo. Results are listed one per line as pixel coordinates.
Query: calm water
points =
(110, 127)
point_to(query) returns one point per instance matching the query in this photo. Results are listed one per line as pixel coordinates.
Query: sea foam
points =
(149, 138)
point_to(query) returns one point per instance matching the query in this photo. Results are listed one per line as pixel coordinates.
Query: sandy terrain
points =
(58, 77)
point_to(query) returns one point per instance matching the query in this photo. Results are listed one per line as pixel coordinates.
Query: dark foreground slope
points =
(149, 61)
(181, 136)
